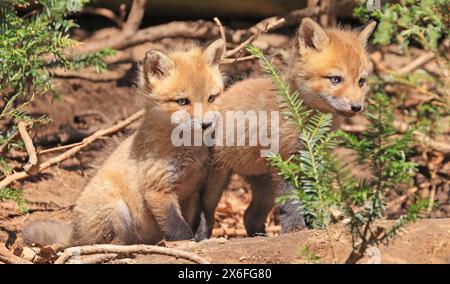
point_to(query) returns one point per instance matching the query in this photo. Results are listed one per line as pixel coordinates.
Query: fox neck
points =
(153, 136)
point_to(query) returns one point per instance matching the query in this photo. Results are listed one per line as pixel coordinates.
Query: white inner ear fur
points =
(215, 52)
(157, 64)
(365, 34)
(311, 36)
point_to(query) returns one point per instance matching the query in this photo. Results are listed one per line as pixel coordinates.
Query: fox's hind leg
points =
(291, 220)
(191, 210)
(110, 223)
(165, 208)
(263, 195)
(265, 188)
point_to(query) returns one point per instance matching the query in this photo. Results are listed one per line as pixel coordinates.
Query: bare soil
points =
(427, 241)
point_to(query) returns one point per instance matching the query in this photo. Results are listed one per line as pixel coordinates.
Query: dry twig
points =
(237, 59)
(89, 76)
(32, 165)
(417, 63)
(266, 28)
(132, 249)
(221, 29)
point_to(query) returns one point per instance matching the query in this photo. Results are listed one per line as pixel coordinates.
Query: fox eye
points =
(212, 98)
(183, 101)
(335, 79)
(362, 82)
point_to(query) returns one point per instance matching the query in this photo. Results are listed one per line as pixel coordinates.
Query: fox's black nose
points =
(356, 107)
(206, 125)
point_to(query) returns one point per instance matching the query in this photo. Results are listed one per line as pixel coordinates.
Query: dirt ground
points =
(85, 106)
(427, 241)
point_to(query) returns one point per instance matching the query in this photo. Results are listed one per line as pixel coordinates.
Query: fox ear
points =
(311, 35)
(366, 32)
(215, 52)
(157, 64)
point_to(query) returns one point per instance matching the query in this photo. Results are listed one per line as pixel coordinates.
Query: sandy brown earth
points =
(427, 241)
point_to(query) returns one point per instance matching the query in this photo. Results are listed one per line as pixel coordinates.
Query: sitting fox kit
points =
(148, 189)
(329, 68)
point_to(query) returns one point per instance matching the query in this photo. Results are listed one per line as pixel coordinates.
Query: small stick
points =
(237, 59)
(32, 165)
(132, 249)
(59, 148)
(101, 258)
(398, 201)
(221, 30)
(89, 76)
(417, 63)
(269, 26)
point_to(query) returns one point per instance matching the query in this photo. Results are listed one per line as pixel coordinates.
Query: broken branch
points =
(268, 27)
(237, 59)
(221, 30)
(417, 63)
(31, 166)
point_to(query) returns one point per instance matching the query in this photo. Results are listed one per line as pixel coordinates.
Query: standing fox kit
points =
(329, 68)
(148, 189)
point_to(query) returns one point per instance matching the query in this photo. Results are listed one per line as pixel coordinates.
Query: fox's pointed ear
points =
(366, 32)
(156, 64)
(311, 35)
(215, 52)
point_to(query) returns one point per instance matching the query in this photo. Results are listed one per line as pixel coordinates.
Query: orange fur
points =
(147, 189)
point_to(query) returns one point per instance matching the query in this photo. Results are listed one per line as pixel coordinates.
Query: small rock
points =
(222, 240)
(30, 253)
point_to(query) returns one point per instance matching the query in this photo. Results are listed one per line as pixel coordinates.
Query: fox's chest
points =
(190, 167)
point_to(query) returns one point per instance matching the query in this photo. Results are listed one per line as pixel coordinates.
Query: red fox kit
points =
(329, 69)
(148, 188)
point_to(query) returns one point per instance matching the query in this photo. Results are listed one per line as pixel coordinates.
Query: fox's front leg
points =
(216, 183)
(166, 210)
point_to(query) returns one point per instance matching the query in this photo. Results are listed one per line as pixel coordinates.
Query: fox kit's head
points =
(181, 85)
(331, 67)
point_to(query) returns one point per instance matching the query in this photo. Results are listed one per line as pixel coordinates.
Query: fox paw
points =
(180, 234)
(290, 219)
